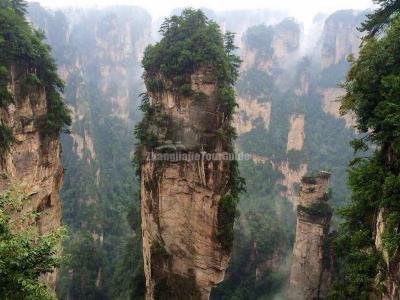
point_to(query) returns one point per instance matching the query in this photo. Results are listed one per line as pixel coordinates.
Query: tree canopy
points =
(380, 18)
(373, 96)
(190, 41)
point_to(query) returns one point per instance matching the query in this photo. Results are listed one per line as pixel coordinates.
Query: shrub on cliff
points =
(24, 255)
(23, 49)
(190, 41)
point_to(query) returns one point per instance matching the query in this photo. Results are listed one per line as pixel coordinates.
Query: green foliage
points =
(176, 287)
(319, 209)
(381, 17)
(24, 254)
(261, 232)
(24, 50)
(260, 236)
(309, 178)
(334, 74)
(372, 87)
(227, 211)
(295, 158)
(6, 97)
(255, 83)
(288, 25)
(129, 281)
(30, 84)
(84, 254)
(99, 244)
(190, 41)
(6, 138)
(226, 217)
(260, 38)
(357, 275)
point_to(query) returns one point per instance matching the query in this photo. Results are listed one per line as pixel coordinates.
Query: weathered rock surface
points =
(180, 201)
(296, 132)
(250, 111)
(33, 161)
(340, 37)
(391, 282)
(290, 180)
(331, 104)
(286, 38)
(311, 264)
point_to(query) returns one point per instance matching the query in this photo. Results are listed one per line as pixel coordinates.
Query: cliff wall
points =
(33, 161)
(310, 270)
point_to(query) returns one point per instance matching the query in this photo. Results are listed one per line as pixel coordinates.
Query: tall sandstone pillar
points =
(180, 200)
(311, 263)
(33, 161)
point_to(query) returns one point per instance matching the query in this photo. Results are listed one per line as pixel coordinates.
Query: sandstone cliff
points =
(391, 281)
(331, 104)
(311, 265)
(183, 258)
(33, 160)
(340, 37)
(286, 39)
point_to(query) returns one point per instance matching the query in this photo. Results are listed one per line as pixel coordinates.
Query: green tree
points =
(24, 255)
(380, 18)
(373, 93)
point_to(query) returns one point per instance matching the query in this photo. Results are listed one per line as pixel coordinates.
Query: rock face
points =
(340, 36)
(296, 132)
(311, 266)
(286, 38)
(391, 282)
(180, 202)
(250, 111)
(33, 161)
(331, 104)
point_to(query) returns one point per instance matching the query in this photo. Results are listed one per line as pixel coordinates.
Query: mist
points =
(301, 10)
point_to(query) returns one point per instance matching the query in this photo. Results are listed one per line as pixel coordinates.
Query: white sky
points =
(300, 9)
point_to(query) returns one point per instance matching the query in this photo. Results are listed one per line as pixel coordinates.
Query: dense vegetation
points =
(373, 94)
(27, 58)
(24, 254)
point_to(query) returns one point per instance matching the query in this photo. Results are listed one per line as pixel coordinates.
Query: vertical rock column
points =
(33, 161)
(180, 200)
(311, 264)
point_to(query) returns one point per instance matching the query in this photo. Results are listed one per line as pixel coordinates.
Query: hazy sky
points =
(300, 9)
